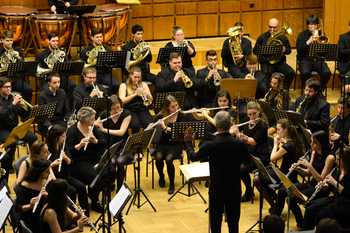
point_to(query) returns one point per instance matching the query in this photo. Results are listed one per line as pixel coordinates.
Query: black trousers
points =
(235, 71)
(307, 66)
(344, 70)
(280, 67)
(143, 118)
(105, 79)
(27, 90)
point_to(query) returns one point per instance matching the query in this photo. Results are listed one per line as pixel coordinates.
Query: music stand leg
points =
(289, 192)
(189, 194)
(260, 221)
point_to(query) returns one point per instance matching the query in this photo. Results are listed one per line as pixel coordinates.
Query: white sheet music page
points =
(118, 200)
(3, 192)
(5, 207)
(198, 171)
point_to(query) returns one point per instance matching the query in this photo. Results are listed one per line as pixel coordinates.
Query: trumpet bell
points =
(217, 82)
(147, 102)
(2, 171)
(188, 83)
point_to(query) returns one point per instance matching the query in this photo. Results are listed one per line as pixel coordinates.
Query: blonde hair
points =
(130, 88)
(174, 30)
(256, 105)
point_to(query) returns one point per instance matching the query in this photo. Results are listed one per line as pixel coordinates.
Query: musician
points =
(7, 42)
(281, 65)
(117, 127)
(137, 33)
(28, 193)
(78, 136)
(60, 7)
(103, 76)
(291, 151)
(344, 58)
(255, 136)
(86, 90)
(9, 112)
(51, 49)
(166, 150)
(55, 210)
(225, 156)
(341, 124)
(319, 167)
(129, 93)
(206, 95)
(55, 94)
(339, 183)
(273, 224)
(178, 40)
(226, 54)
(304, 40)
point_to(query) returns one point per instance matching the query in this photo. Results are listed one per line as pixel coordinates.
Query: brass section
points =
(7, 58)
(235, 34)
(140, 52)
(322, 39)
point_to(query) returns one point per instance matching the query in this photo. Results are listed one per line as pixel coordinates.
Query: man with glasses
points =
(280, 66)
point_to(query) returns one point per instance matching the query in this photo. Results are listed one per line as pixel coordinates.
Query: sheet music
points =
(198, 171)
(118, 200)
(5, 206)
(3, 192)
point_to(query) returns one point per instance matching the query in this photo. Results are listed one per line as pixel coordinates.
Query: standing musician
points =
(137, 33)
(344, 58)
(9, 52)
(9, 112)
(86, 89)
(270, 37)
(304, 40)
(341, 125)
(178, 40)
(117, 127)
(226, 54)
(225, 154)
(210, 78)
(131, 93)
(48, 52)
(103, 77)
(60, 6)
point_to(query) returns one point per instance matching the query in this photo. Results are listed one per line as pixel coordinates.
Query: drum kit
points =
(112, 19)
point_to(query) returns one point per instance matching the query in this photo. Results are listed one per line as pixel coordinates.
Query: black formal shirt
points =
(142, 64)
(302, 47)
(262, 84)
(62, 110)
(44, 54)
(263, 38)
(187, 60)
(84, 58)
(9, 112)
(3, 50)
(82, 92)
(344, 47)
(60, 6)
(341, 127)
(226, 55)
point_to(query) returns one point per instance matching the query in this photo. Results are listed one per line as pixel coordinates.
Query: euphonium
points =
(265, 97)
(301, 103)
(286, 29)
(217, 80)
(187, 82)
(92, 55)
(146, 102)
(6, 58)
(25, 105)
(140, 52)
(331, 130)
(235, 34)
(322, 39)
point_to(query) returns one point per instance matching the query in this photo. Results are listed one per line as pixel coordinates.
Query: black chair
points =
(25, 229)
(15, 218)
(17, 165)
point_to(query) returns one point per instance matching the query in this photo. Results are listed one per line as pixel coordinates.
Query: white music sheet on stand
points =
(3, 192)
(198, 171)
(5, 206)
(118, 200)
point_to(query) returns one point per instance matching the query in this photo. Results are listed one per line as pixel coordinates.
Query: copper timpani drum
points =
(105, 21)
(64, 25)
(15, 19)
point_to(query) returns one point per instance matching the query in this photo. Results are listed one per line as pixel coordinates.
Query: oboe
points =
(81, 213)
(292, 169)
(150, 127)
(89, 135)
(209, 109)
(37, 202)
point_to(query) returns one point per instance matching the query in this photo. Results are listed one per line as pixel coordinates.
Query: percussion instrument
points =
(64, 25)
(15, 19)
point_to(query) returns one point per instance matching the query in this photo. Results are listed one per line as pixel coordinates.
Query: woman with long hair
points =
(319, 167)
(55, 210)
(255, 136)
(291, 151)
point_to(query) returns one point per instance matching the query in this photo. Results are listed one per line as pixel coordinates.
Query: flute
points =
(239, 125)
(37, 202)
(150, 127)
(112, 116)
(81, 213)
(61, 156)
(292, 169)
(89, 135)
(209, 109)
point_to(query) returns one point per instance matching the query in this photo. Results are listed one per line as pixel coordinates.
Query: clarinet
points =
(37, 202)
(81, 213)
(292, 169)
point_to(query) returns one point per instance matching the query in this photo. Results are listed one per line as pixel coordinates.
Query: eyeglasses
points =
(180, 34)
(273, 27)
(6, 87)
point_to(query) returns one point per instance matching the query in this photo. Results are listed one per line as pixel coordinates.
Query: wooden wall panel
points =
(246, 5)
(293, 17)
(6, 3)
(188, 24)
(142, 11)
(288, 4)
(163, 27)
(308, 12)
(272, 4)
(147, 24)
(145, 1)
(230, 6)
(161, 1)
(184, 1)
(22, 3)
(252, 24)
(313, 3)
(186, 8)
(267, 15)
(97, 2)
(208, 7)
(227, 21)
(208, 25)
(163, 9)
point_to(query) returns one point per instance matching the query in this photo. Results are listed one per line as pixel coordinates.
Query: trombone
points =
(187, 82)
(217, 80)
(146, 102)
(25, 104)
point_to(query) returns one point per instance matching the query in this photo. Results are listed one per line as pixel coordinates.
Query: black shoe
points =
(246, 197)
(161, 182)
(97, 207)
(171, 189)
(207, 184)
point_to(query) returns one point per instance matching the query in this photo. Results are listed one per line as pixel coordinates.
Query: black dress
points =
(273, 102)
(187, 60)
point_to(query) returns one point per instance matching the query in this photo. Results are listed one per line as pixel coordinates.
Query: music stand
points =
(67, 69)
(99, 104)
(306, 133)
(294, 117)
(43, 113)
(238, 87)
(159, 99)
(164, 53)
(119, 202)
(290, 188)
(6, 204)
(22, 70)
(266, 106)
(266, 53)
(18, 133)
(135, 144)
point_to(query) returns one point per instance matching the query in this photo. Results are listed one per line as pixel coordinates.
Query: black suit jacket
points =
(226, 153)
(226, 52)
(344, 47)
(341, 127)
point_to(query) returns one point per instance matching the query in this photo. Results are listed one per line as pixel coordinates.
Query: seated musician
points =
(226, 54)
(178, 40)
(118, 131)
(55, 94)
(86, 90)
(343, 59)
(60, 7)
(137, 33)
(9, 52)
(279, 65)
(47, 53)
(9, 112)
(103, 76)
(315, 109)
(207, 76)
(306, 66)
(130, 94)
(341, 124)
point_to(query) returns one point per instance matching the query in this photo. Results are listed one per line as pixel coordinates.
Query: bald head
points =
(273, 25)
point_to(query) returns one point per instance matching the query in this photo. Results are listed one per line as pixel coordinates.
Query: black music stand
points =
(99, 104)
(177, 134)
(294, 117)
(164, 54)
(306, 133)
(22, 70)
(135, 144)
(266, 53)
(67, 69)
(159, 100)
(290, 187)
(119, 202)
(266, 106)
(43, 113)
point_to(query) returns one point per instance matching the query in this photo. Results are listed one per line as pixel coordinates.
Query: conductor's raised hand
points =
(189, 135)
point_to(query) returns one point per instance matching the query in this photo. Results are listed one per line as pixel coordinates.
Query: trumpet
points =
(150, 127)
(187, 82)
(208, 109)
(99, 93)
(82, 214)
(146, 102)
(217, 80)
(25, 104)
(251, 73)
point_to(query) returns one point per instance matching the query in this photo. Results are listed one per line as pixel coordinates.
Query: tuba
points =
(286, 29)
(92, 55)
(322, 39)
(234, 33)
(6, 58)
(140, 52)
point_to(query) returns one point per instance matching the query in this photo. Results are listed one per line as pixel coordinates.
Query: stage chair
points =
(25, 229)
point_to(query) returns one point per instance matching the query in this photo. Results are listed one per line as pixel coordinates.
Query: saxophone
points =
(265, 97)
(6, 58)
(234, 33)
(140, 52)
(301, 103)
(331, 131)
